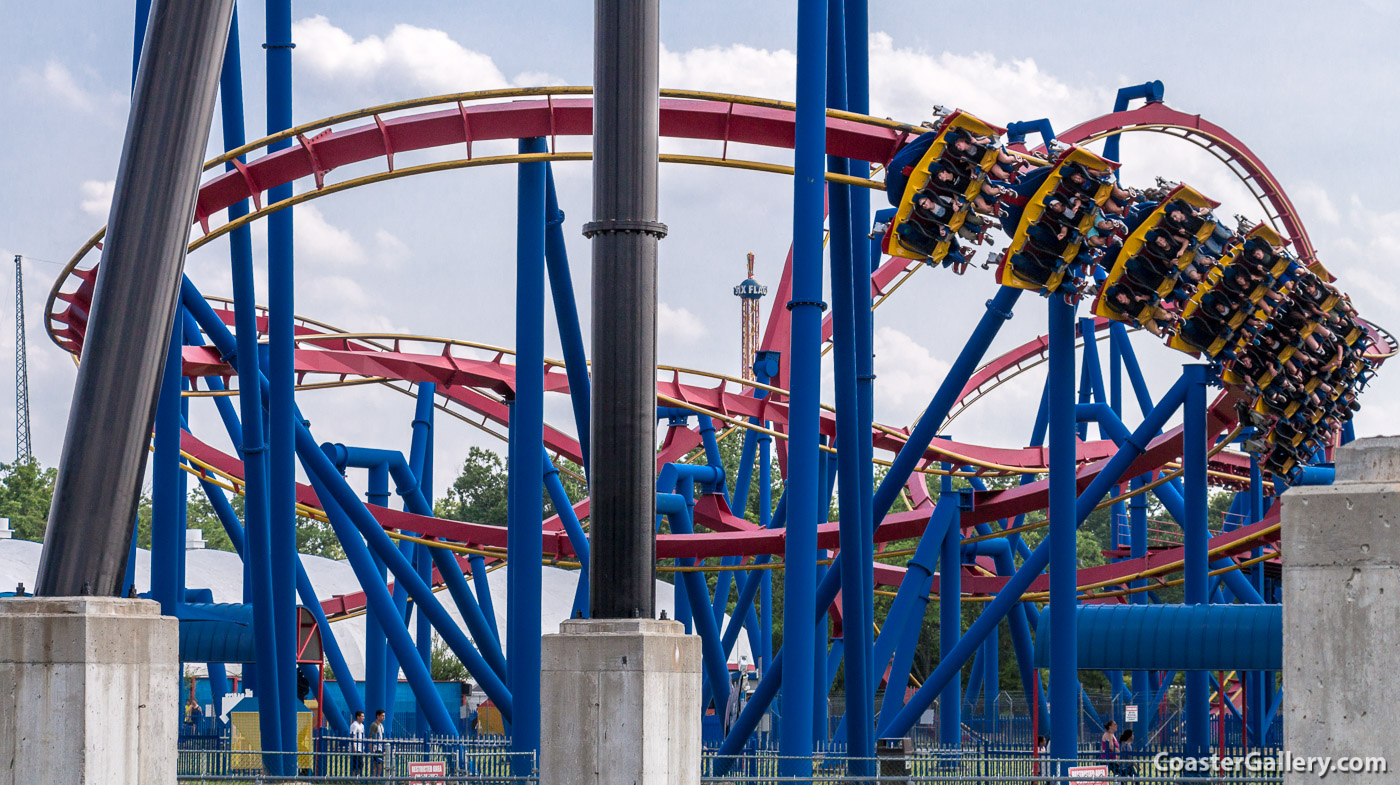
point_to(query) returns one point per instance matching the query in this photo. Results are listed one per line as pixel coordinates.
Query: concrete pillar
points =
(620, 703)
(89, 691)
(1341, 612)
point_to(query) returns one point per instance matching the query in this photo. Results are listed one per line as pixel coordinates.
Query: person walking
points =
(377, 745)
(1127, 767)
(357, 744)
(1108, 744)
(193, 717)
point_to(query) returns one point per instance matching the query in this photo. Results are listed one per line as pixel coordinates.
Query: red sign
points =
(1087, 771)
(427, 769)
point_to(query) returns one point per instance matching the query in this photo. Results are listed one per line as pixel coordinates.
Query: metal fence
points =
(967, 767)
(337, 759)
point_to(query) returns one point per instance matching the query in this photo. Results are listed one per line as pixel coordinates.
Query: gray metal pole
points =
(134, 300)
(625, 235)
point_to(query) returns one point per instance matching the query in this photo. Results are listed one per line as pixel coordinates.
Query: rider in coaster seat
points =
(1078, 180)
(962, 144)
(1050, 237)
(1065, 211)
(1035, 265)
(948, 179)
(1163, 245)
(1146, 271)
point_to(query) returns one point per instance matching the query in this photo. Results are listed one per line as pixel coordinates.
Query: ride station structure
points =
(1273, 360)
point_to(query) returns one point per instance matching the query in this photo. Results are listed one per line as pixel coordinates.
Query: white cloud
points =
(678, 324)
(907, 372)
(57, 82)
(410, 60)
(338, 289)
(320, 241)
(97, 197)
(740, 69)
(1312, 199)
(390, 251)
(905, 83)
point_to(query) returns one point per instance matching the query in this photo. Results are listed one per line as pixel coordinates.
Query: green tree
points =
(199, 514)
(26, 489)
(479, 492)
(445, 665)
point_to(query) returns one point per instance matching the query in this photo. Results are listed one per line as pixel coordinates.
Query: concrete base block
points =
(1341, 613)
(89, 692)
(620, 704)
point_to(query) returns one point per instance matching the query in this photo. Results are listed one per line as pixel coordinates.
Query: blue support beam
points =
(804, 356)
(561, 292)
(866, 257)
(167, 535)
(1152, 92)
(526, 549)
(283, 417)
(1011, 592)
(856, 608)
(950, 622)
(1064, 525)
(998, 311)
(1194, 462)
(244, 359)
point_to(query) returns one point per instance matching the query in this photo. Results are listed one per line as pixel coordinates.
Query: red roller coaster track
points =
(479, 385)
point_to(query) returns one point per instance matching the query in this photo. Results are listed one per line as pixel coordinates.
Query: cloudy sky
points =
(432, 255)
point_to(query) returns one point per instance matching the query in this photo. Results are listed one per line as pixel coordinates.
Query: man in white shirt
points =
(357, 743)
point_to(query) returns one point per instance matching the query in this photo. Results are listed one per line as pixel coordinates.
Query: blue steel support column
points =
(765, 519)
(1151, 91)
(998, 311)
(1064, 673)
(950, 621)
(808, 214)
(855, 621)
(167, 541)
(349, 691)
(1255, 698)
(991, 680)
(577, 537)
(561, 292)
(899, 636)
(376, 642)
(143, 15)
(282, 411)
(421, 463)
(1010, 594)
(866, 255)
(377, 597)
(258, 564)
(1137, 521)
(821, 693)
(1197, 560)
(527, 432)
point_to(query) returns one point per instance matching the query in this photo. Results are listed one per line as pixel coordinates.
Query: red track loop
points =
(479, 385)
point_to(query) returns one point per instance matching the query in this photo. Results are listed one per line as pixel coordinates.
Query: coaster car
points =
(1072, 176)
(938, 155)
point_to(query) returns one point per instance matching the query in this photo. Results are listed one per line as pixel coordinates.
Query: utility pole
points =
(625, 234)
(23, 449)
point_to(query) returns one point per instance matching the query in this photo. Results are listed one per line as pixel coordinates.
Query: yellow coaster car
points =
(1135, 242)
(919, 179)
(1035, 210)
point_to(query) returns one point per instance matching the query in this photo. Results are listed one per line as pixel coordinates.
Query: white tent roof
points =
(222, 573)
